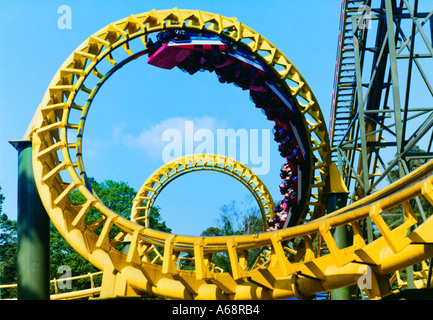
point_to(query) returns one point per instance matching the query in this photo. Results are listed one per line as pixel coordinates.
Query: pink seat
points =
(168, 57)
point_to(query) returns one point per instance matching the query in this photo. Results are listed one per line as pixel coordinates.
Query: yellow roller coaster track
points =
(158, 180)
(287, 271)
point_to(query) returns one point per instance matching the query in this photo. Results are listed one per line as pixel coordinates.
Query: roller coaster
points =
(298, 254)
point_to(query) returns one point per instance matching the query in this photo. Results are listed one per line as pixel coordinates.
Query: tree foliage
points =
(117, 196)
(235, 219)
(8, 251)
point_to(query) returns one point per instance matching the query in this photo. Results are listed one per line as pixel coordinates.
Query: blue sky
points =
(134, 107)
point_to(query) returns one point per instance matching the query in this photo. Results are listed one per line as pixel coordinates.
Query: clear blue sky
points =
(139, 101)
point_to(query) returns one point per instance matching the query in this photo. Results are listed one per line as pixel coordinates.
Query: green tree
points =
(117, 196)
(8, 251)
(212, 232)
(235, 219)
(240, 218)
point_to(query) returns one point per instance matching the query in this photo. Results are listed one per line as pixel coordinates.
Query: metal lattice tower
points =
(382, 101)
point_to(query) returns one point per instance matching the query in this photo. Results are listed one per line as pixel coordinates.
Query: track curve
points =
(158, 180)
(287, 271)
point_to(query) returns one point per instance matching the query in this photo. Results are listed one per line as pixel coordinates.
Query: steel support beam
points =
(335, 202)
(33, 263)
(394, 79)
(360, 108)
(380, 113)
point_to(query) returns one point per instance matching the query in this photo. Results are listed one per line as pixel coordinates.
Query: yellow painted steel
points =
(91, 293)
(420, 278)
(58, 106)
(170, 171)
(287, 271)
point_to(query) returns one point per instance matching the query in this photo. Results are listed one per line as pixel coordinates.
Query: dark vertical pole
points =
(336, 199)
(33, 265)
(335, 202)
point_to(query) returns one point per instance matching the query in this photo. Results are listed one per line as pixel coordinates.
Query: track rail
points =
(157, 181)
